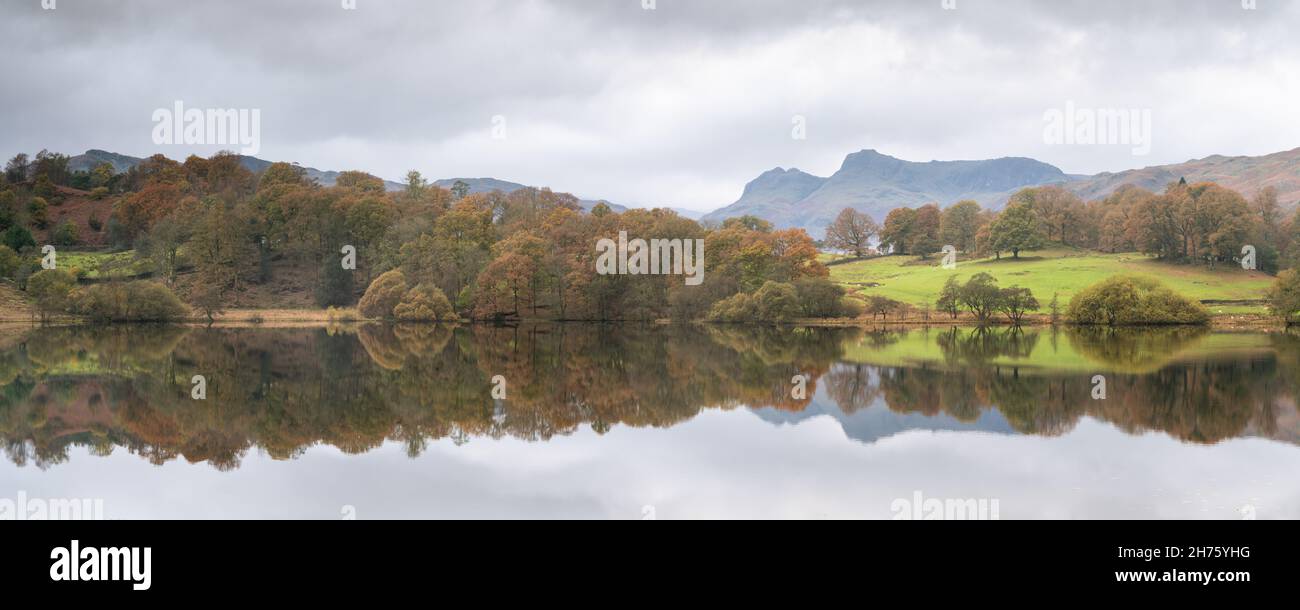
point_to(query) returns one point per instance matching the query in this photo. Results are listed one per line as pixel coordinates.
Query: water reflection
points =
(282, 391)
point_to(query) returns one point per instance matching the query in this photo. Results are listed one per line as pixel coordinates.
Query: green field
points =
(93, 264)
(1052, 351)
(914, 281)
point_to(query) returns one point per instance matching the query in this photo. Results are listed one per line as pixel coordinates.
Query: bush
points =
(95, 223)
(51, 289)
(17, 238)
(1127, 300)
(774, 302)
(37, 211)
(8, 209)
(99, 192)
(335, 286)
(1284, 296)
(424, 304)
(139, 301)
(820, 298)
(9, 262)
(383, 295)
(65, 234)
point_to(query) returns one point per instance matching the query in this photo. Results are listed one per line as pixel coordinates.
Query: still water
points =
(633, 422)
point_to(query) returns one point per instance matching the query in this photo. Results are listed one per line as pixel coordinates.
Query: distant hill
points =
(487, 185)
(1244, 174)
(93, 158)
(875, 183)
(121, 163)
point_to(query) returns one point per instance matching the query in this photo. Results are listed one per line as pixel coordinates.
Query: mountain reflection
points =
(283, 390)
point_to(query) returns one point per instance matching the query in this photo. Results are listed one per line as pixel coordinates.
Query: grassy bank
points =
(1226, 291)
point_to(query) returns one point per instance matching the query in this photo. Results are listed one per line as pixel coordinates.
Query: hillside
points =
(910, 280)
(121, 163)
(1243, 174)
(875, 183)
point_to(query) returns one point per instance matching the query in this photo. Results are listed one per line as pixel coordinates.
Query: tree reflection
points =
(281, 391)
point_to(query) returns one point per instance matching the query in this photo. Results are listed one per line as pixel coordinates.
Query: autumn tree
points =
(960, 224)
(896, 234)
(925, 231)
(1016, 229)
(852, 232)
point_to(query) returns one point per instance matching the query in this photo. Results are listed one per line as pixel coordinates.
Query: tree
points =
(925, 231)
(1128, 300)
(1015, 302)
(981, 296)
(424, 304)
(896, 235)
(17, 238)
(37, 212)
(209, 298)
(9, 262)
(335, 286)
(949, 300)
(65, 234)
(852, 232)
(8, 209)
(1284, 296)
(1016, 229)
(16, 169)
(459, 189)
(383, 295)
(51, 289)
(960, 224)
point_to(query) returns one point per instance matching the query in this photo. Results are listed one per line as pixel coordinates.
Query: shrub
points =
(99, 192)
(65, 234)
(36, 210)
(8, 209)
(51, 289)
(95, 223)
(424, 304)
(820, 298)
(9, 262)
(383, 295)
(1127, 300)
(774, 302)
(139, 301)
(17, 238)
(1284, 296)
(883, 306)
(335, 287)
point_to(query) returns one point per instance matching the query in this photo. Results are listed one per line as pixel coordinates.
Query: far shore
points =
(319, 317)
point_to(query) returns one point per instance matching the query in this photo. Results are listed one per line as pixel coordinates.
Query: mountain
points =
(93, 158)
(1245, 175)
(487, 185)
(121, 163)
(875, 183)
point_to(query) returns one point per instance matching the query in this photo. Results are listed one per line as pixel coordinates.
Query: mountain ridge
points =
(875, 183)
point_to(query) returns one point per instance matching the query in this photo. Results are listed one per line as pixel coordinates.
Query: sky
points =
(652, 102)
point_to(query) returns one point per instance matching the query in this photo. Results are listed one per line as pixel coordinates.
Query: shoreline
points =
(322, 317)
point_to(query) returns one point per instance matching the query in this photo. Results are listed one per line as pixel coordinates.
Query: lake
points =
(645, 421)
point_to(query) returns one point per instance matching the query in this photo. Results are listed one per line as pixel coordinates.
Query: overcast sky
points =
(680, 105)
